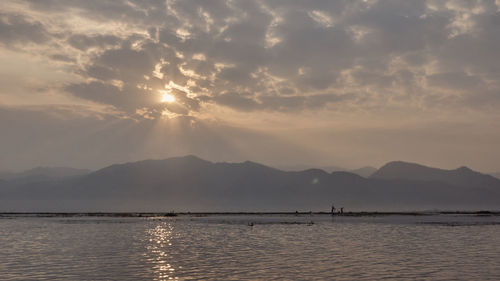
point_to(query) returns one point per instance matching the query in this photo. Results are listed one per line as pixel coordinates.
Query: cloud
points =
(243, 102)
(288, 103)
(83, 42)
(280, 51)
(127, 99)
(262, 64)
(16, 29)
(456, 81)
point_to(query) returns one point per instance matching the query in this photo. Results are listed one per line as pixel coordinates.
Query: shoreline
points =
(174, 214)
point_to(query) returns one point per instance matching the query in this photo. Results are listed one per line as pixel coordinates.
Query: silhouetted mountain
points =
(496, 175)
(295, 168)
(462, 176)
(193, 184)
(365, 172)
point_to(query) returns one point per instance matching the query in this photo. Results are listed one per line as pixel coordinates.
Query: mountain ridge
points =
(462, 176)
(193, 184)
(40, 174)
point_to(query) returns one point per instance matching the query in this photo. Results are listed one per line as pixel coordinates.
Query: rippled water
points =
(441, 247)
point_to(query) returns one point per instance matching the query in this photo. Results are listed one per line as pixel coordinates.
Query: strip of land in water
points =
(172, 214)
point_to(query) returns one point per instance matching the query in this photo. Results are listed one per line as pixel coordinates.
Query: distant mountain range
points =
(302, 167)
(193, 184)
(364, 171)
(42, 174)
(462, 176)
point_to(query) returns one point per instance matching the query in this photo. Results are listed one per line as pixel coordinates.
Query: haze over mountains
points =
(193, 184)
(41, 173)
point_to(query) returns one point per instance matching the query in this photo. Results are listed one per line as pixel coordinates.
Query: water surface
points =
(225, 247)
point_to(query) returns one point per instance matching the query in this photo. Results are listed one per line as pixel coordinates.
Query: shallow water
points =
(225, 247)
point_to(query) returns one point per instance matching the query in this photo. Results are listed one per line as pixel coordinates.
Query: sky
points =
(86, 84)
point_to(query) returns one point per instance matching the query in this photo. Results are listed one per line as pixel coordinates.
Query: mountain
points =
(5, 175)
(462, 176)
(496, 175)
(364, 171)
(295, 168)
(44, 173)
(193, 184)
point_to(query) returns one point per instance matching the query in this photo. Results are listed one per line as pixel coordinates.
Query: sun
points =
(166, 97)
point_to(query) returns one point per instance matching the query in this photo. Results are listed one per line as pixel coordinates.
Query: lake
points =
(251, 247)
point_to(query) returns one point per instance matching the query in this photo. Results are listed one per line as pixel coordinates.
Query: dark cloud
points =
(18, 29)
(127, 63)
(238, 101)
(61, 57)
(83, 42)
(96, 9)
(456, 81)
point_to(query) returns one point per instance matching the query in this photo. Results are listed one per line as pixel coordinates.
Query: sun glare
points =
(167, 97)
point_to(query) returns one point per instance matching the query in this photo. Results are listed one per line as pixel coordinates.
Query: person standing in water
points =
(333, 209)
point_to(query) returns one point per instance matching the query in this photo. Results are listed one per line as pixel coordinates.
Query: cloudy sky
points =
(345, 83)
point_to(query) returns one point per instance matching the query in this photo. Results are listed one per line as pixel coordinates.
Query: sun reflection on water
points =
(158, 251)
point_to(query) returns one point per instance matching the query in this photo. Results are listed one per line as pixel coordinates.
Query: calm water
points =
(440, 247)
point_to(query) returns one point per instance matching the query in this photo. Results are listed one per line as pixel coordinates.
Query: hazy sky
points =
(346, 83)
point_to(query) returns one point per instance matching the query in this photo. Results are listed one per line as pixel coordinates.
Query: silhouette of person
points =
(333, 209)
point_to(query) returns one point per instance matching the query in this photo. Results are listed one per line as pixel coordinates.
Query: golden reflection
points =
(158, 251)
